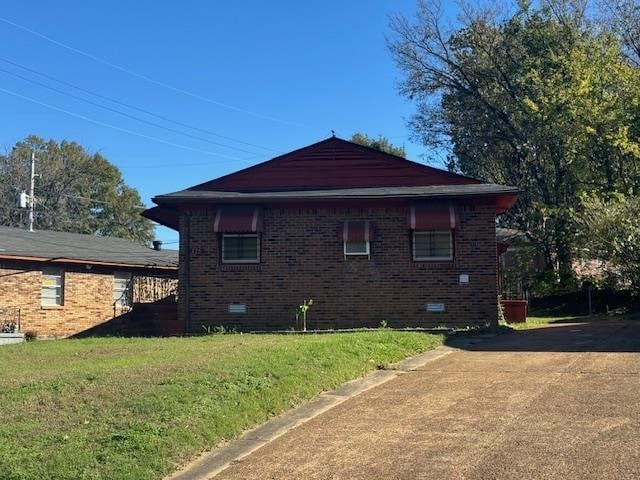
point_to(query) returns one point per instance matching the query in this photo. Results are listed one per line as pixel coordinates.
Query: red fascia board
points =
(162, 215)
(505, 202)
(84, 262)
(501, 201)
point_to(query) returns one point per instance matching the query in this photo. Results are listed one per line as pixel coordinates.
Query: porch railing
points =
(9, 320)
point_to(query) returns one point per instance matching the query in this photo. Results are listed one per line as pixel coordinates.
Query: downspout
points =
(187, 271)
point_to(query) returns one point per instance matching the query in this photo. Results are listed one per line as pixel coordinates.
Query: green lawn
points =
(139, 408)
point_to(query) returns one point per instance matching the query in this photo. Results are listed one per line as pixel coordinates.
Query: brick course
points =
(88, 296)
(302, 258)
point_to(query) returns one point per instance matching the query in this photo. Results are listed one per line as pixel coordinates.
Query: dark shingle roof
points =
(343, 193)
(49, 245)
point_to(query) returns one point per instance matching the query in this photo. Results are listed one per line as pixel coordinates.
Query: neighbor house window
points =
(52, 290)
(122, 289)
(433, 245)
(240, 248)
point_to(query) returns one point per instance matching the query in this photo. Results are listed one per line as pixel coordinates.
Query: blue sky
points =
(288, 72)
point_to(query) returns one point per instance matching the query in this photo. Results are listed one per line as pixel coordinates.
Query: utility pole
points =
(32, 199)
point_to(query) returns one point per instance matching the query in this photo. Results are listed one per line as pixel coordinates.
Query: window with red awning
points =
(432, 216)
(238, 219)
(356, 231)
(356, 235)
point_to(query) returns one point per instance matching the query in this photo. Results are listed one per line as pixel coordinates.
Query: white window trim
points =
(235, 235)
(59, 273)
(129, 294)
(367, 252)
(432, 259)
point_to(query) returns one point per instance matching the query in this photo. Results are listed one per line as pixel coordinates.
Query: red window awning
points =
(238, 219)
(356, 231)
(432, 216)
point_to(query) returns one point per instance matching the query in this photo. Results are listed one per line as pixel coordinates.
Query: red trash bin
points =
(515, 311)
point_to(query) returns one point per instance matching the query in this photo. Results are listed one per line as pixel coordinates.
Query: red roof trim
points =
(84, 262)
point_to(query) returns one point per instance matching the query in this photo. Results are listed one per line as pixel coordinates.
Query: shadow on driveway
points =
(601, 336)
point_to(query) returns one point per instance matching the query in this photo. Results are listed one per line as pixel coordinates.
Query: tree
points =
(542, 98)
(610, 231)
(75, 192)
(381, 143)
(623, 18)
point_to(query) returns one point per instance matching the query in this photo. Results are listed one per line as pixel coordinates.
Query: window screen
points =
(432, 245)
(240, 248)
(356, 248)
(122, 289)
(52, 287)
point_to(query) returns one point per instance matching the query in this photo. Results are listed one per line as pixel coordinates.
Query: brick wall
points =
(302, 258)
(88, 298)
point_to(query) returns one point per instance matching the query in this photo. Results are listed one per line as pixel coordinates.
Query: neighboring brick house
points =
(61, 284)
(369, 236)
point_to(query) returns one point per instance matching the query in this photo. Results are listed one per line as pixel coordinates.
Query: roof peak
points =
(334, 163)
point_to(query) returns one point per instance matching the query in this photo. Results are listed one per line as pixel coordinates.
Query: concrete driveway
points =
(560, 402)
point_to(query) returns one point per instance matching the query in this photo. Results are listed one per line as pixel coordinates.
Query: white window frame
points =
(367, 251)
(235, 235)
(129, 296)
(57, 274)
(432, 259)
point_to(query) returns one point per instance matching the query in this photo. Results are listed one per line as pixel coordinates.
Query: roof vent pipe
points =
(157, 245)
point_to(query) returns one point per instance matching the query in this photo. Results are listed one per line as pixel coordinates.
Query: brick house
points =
(369, 236)
(59, 284)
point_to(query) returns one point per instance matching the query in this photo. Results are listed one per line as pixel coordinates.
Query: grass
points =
(138, 408)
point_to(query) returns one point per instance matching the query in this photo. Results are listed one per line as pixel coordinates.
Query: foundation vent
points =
(435, 307)
(237, 308)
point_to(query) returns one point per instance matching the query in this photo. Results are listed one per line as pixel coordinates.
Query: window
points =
(240, 248)
(356, 247)
(51, 292)
(122, 289)
(433, 245)
(356, 237)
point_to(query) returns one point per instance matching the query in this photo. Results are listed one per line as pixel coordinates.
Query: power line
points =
(108, 125)
(133, 107)
(145, 77)
(119, 112)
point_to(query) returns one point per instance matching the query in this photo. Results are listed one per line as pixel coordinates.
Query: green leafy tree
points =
(542, 98)
(75, 192)
(610, 231)
(623, 18)
(381, 143)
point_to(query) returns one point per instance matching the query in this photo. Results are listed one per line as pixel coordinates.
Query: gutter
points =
(85, 262)
(250, 198)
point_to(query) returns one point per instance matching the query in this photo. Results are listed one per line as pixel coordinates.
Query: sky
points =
(255, 79)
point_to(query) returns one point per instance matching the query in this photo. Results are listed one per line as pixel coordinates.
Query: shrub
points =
(30, 335)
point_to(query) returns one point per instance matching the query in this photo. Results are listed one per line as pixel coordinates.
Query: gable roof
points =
(330, 170)
(332, 164)
(65, 247)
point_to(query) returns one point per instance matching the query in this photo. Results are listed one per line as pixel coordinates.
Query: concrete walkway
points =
(560, 402)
